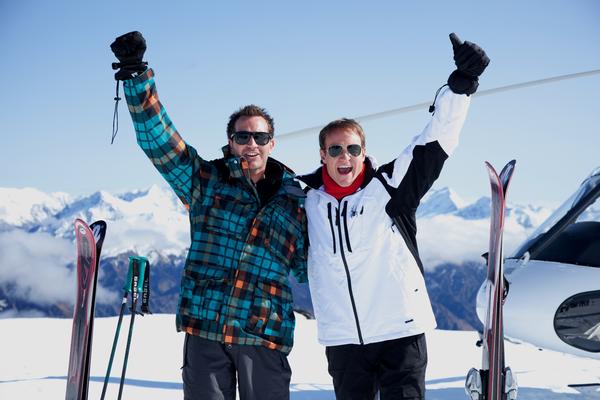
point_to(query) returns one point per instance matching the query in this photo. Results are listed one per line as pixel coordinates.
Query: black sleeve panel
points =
(387, 169)
(423, 170)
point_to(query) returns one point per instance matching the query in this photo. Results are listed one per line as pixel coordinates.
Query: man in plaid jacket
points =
(248, 232)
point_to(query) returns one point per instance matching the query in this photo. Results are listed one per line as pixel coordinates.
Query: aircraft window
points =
(592, 213)
(577, 321)
(547, 224)
(578, 244)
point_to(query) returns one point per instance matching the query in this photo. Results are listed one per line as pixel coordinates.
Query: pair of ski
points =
(494, 381)
(89, 240)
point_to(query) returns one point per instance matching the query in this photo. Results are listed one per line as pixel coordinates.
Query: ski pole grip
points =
(137, 268)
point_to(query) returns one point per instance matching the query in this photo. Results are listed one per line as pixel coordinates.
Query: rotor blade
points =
(487, 92)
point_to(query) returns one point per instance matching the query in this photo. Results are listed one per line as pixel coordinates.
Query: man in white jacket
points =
(365, 275)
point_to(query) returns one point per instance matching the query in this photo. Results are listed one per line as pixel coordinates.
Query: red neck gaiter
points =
(338, 191)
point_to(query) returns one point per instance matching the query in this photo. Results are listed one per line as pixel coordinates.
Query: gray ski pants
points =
(211, 371)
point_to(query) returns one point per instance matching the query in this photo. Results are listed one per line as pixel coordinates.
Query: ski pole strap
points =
(432, 106)
(115, 125)
(138, 281)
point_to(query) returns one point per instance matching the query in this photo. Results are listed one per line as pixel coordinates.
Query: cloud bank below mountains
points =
(451, 239)
(37, 248)
(36, 267)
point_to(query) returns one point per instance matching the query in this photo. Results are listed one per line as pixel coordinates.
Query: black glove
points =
(129, 49)
(470, 61)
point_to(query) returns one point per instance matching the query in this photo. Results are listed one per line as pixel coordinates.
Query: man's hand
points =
(471, 61)
(129, 50)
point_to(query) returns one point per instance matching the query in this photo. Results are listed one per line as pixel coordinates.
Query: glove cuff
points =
(130, 71)
(461, 83)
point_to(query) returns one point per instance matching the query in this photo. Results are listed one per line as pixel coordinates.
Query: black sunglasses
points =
(243, 137)
(336, 150)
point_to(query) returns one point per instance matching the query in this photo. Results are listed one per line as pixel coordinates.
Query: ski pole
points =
(133, 271)
(137, 277)
(114, 345)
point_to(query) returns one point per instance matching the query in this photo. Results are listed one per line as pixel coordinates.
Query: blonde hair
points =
(344, 124)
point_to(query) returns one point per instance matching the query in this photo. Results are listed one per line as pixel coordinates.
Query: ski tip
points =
(80, 224)
(100, 223)
(491, 170)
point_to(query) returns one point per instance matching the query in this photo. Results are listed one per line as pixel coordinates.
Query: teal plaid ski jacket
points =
(234, 287)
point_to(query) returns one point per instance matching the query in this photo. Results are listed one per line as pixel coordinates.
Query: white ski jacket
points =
(365, 275)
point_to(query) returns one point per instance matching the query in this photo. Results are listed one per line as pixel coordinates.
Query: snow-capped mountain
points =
(142, 220)
(19, 207)
(34, 211)
(441, 201)
(446, 201)
(36, 247)
(154, 221)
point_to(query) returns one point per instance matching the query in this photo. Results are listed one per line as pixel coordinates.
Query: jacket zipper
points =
(344, 214)
(331, 225)
(339, 225)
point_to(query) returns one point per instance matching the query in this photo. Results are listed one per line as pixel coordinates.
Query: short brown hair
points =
(250, 110)
(345, 124)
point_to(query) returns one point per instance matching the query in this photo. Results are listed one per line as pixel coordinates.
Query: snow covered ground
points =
(34, 358)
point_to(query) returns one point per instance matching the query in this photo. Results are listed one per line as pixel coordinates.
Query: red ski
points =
(89, 241)
(494, 381)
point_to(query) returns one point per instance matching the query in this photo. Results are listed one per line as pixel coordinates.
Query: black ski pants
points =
(395, 368)
(211, 371)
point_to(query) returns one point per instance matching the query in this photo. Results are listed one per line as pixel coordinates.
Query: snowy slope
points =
(35, 360)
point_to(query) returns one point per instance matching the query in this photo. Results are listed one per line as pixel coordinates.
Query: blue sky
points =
(307, 63)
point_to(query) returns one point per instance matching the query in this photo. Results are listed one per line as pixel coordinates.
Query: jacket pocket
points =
(271, 315)
(202, 299)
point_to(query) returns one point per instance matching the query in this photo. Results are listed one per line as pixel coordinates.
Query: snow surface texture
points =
(35, 352)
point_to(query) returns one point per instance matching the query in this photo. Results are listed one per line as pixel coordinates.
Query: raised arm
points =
(420, 164)
(156, 134)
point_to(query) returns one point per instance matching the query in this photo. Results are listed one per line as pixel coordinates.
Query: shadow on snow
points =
(325, 392)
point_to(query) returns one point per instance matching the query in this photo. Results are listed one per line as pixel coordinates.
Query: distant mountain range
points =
(37, 252)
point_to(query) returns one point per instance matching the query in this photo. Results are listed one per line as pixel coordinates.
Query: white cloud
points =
(447, 238)
(35, 266)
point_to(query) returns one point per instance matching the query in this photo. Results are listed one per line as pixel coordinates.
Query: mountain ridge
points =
(153, 222)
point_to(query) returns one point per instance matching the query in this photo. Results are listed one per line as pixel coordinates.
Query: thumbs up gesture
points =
(471, 61)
